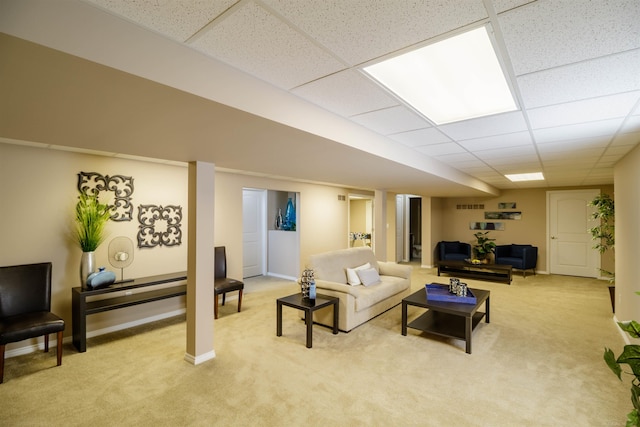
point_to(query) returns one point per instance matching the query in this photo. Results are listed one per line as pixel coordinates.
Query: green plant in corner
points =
(629, 356)
(484, 245)
(91, 218)
(604, 233)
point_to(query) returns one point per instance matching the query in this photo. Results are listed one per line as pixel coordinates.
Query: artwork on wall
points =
(120, 185)
(503, 215)
(499, 226)
(159, 226)
(507, 205)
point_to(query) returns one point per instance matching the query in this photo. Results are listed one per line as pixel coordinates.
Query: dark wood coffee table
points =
(495, 272)
(447, 319)
(296, 301)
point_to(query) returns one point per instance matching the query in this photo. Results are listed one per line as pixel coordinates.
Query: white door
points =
(253, 232)
(570, 245)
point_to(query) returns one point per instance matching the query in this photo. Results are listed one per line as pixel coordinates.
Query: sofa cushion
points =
(388, 286)
(517, 251)
(352, 274)
(368, 276)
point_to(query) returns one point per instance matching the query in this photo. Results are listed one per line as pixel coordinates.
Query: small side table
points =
(296, 301)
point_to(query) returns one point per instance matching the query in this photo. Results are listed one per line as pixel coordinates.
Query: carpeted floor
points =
(538, 363)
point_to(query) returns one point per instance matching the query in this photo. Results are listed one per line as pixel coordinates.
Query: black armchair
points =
(25, 307)
(454, 251)
(223, 284)
(522, 257)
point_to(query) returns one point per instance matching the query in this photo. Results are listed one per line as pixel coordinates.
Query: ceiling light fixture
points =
(455, 79)
(533, 176)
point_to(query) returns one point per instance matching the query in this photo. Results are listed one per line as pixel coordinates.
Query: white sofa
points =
(358, 303)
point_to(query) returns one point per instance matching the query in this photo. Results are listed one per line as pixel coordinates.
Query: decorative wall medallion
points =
(159, 226)
(120, 185)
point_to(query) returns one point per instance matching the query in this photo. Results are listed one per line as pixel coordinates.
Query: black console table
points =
(81, 307)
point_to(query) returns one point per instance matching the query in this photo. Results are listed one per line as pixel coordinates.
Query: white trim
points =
(623, 334)
(282, 276)
(199, 359)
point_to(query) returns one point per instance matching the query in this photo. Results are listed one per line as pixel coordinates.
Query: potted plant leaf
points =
(91, 218)
(604, 233)
(484, 245)
(629, 356)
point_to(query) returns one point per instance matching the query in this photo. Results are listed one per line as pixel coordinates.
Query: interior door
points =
(570, 245)
(253, 232)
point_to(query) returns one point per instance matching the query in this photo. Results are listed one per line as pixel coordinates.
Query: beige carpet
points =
(538, 363)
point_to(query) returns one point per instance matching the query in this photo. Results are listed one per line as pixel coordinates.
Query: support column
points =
(200, 270)
(380, 224)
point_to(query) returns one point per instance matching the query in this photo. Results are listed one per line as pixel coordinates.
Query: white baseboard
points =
(196, 360)
(282, 276)
(39, 346)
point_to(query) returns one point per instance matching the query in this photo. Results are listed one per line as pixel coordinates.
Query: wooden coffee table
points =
(447, 319)
(296, 301)
(495, 272)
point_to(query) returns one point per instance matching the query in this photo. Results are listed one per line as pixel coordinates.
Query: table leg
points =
(404, 318)
(309, 322)
(336, 312)
(279, 319)
(486, 306)
(468, 329)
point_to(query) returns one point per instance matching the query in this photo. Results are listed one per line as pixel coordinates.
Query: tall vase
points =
(290, 216)
(87, 266)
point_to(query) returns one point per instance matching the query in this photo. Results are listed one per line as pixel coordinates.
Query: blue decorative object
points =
(437, 292)
(101, 279)
(289, 217)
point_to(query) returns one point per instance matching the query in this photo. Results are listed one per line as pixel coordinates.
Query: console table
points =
(496, 272)
(81, 307)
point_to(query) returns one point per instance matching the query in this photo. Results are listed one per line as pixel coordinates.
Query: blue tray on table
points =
(437, 292)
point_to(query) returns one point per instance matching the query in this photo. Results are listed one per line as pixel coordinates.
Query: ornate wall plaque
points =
(159, 226)
(120, 185)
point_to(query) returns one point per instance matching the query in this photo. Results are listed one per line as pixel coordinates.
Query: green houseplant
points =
(604, 233)
(484, 245)
(629, 356)
(91, 218)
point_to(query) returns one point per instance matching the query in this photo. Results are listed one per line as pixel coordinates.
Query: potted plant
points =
(91, 218)
(484, 245)
(604, 233)
(629, 356)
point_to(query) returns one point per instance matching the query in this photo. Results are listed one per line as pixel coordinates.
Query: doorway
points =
(253, 232)
(570, 245)
(360, 220)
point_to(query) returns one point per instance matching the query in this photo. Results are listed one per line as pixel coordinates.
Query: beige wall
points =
(451, 223)
(627, 177)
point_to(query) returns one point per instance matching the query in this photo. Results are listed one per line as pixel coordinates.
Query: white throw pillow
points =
(352, 275)
(369, 276)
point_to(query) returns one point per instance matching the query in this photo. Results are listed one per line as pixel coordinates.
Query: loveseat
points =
(385, 285)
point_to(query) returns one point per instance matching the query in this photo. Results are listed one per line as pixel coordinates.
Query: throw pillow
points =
(352, 275)
(368, 276)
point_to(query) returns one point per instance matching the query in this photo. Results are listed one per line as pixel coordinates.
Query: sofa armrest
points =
(335, 286)
(530, 256)
(394, 269)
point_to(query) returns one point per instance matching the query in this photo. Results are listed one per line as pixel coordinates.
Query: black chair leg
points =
(239, 299)
(1, 363)
(46, 343)
(60, 334)
(215, 306)
(224, 297)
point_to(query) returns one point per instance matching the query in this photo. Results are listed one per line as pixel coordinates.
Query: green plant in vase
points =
(629, 356)
(91, 217)
(484, 245)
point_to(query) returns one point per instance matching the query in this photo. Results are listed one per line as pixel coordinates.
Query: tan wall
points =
(627, 177)
(358, 215)
(452, 223)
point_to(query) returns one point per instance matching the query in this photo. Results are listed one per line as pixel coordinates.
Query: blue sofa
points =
(454, 251)
(521, 257)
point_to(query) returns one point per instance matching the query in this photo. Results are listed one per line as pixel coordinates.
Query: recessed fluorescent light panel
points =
(534, 176)
(455, 79)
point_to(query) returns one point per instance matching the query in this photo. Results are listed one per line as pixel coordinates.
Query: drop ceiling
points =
(574, 67)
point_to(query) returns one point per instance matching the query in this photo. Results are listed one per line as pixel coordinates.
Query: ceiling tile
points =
(582, 80)
(440, 149)
(420, 137)
(503, 5)
(391, 120)
(497, 141)
(575, 144)
(176, 20)
(359, 30)
(486, 126)
(536, 42)
(519, 152)
(632, 138)
(583, 130)
(606, 107)
(631, 125)
(257, 42)
(461, 158)
(346, 93)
